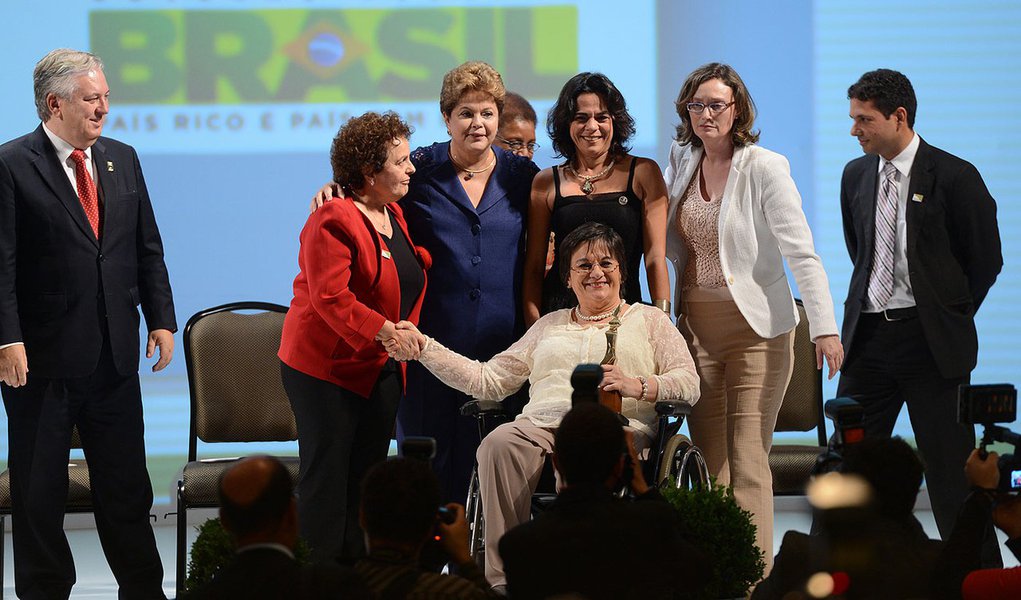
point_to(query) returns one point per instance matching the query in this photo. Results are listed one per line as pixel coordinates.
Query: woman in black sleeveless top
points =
(599, 181)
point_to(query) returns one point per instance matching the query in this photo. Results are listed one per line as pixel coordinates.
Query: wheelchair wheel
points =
(683, 461)
(476, 521)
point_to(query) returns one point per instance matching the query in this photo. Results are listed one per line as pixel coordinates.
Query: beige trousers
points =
(510, 458)
(743, 381)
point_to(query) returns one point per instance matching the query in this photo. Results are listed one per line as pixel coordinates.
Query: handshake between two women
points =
(402, 341)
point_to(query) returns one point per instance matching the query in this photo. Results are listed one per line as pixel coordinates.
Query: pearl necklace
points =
(599, 317)
(469, 173)
(586, 186)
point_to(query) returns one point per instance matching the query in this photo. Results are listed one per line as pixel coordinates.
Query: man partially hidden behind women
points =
(359, 274)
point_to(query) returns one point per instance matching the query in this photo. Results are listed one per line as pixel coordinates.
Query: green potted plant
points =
(712, 516)
(214, 548)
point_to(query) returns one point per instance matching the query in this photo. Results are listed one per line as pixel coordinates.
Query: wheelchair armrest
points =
(672, 408)
(480, 408)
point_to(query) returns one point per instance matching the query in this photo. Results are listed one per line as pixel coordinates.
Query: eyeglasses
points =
(714, 109)
(606, 266)
(518, 145)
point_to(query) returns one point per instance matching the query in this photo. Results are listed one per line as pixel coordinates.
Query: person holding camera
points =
(590, 541)
(645, 359)
(399, 513)
(877, 544)
(959, 572)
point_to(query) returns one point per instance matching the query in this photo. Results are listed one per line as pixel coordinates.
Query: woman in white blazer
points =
(734, 215)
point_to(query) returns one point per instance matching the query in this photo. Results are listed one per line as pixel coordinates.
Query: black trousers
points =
(891, 365)
(107, 408)
(341, 435)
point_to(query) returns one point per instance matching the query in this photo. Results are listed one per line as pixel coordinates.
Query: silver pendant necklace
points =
(587, 180)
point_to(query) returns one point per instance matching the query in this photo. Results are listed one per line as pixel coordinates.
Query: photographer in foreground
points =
(399, 514)
(961, 558)
(878, 544)
(591, 542)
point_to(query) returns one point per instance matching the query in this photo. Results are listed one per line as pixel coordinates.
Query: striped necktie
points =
(881, 278)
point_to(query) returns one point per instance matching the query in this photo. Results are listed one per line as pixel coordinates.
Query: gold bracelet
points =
(663, 305)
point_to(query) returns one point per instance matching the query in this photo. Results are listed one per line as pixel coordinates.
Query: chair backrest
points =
(802, 404)
(234, 375)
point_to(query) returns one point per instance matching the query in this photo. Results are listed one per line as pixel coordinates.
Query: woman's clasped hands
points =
(405, 343)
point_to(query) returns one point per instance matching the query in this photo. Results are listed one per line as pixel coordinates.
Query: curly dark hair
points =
(744, 107)
(516, 107)
(362, 145)
(888, 90)
(558, 122)
(592, 233)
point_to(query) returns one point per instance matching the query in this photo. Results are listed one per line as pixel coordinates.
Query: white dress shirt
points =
(902, 296)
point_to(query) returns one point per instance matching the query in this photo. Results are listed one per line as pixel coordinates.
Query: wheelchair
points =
(672, 460)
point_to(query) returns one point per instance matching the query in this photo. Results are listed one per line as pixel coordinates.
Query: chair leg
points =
(3, 540)
(476, 521)
(182, 538)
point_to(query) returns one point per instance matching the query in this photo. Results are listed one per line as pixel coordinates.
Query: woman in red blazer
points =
(360, 275)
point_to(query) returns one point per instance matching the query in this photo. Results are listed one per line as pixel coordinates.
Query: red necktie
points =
(86, 190)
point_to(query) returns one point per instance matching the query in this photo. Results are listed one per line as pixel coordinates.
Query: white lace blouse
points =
(647, 344)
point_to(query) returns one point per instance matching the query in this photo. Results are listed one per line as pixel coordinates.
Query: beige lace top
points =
(698, 223)
(647, 344)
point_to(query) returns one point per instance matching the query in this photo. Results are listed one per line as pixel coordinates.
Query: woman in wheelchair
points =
(651, 363)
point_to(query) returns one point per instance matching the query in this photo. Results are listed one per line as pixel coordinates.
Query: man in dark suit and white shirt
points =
(921, 230)
(79, 251)
(258, 509)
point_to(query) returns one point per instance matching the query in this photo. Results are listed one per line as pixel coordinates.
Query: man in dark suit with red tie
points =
(921, 230)
(79, 252)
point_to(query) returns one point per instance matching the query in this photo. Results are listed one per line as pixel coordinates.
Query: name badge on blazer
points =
(917, 198)
(385, 254)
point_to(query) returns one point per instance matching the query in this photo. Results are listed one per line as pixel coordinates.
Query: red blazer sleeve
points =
(330, 252)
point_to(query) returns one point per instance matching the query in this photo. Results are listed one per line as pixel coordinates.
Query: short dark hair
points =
(892, 468)
(888, 90)
(592, 233)
(400, 497)
(588, 444)
(365, 141)
(267, 509)
(558, 122)
(741, 132)
(516, 108)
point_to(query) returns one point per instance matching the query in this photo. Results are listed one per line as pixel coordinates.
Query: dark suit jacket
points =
(59, 286)
(268, 574)
(474, 303)
(344, 293)
(953, 249)
(592, 543)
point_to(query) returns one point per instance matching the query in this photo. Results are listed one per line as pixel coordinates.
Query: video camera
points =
(432, 558)
(848, 428)
(988, 404)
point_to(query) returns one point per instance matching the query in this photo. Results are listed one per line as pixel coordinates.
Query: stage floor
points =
(95, 581)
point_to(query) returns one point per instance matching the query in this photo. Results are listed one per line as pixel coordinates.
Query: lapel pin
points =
(622, 200)
(385, 253)
(109, 166)
(917, 198)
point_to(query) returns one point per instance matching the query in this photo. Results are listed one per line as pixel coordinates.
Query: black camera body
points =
(986, 405)
(585, 380)
(848, 428)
